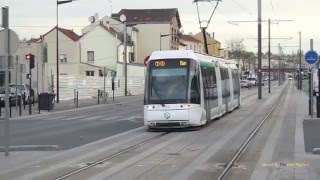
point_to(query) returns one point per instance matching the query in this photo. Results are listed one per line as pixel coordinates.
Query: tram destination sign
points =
(169, 63)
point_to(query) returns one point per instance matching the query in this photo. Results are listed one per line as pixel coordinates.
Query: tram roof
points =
(203, 59)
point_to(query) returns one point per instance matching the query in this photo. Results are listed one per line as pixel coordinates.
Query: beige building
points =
(192, 43)
(157, 29)
(214, 46)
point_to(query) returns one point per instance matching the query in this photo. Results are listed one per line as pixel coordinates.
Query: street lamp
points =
(57, 52)
(163, 35)
(179, 34)
(123, 19)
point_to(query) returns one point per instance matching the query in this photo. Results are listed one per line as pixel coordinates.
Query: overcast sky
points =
(30, 18)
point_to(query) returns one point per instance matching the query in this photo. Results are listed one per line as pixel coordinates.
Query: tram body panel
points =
(185, 114)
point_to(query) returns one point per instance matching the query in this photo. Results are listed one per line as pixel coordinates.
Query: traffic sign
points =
(14, 42)
(311, 57)
(113, 74)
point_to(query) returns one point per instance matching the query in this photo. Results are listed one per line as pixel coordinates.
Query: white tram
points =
(184, 89)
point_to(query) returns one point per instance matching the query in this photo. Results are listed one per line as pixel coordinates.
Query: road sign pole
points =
(104, 85)
(5, 25)
(311, 58)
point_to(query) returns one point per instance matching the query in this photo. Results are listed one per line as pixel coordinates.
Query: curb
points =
(32, 148)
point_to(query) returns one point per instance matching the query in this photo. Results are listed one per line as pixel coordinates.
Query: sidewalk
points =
(312, 171)
(69, 104)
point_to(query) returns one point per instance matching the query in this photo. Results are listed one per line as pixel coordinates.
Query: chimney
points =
(212, 35)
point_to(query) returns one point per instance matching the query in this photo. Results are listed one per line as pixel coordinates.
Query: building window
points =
(90, 55)
(172, 34)
(89, 73)
(100, 73)
(63, 58)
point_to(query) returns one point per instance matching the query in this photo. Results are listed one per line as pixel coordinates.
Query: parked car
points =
(13, 96)
(244, 83)
(23, 89)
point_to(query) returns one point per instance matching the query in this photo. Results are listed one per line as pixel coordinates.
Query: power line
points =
(274, 13)
(243, 7)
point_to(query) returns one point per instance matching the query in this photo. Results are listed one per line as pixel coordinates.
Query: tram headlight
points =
(150, 107)
(184, 106)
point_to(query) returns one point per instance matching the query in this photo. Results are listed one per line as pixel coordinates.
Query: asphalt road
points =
(75, 128)
(199, 154)
(80, 126)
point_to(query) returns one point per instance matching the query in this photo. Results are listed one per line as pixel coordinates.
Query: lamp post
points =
(123, 19)
(57, 48)
(163, 35)
(178, 35)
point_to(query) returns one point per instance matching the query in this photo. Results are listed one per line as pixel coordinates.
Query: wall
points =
(132, 70)
(148, 39)
(87, 87)
(66, 46)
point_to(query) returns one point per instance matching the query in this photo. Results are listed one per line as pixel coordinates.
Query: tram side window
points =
(194, 89)
(223, 82)
(227, 82)
(205, 83)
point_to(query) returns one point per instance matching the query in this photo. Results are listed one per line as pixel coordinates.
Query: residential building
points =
(192, 43)
(150, 24)
(214, 46)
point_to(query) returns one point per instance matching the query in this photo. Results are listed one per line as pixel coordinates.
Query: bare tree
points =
(236, 47)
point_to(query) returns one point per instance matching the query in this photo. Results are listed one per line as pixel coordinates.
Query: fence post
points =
(98, 96)
(39, 102)
(48, 100)
(0, 107)
(20, 99)
(10, 105)
(77, 99)
(24, 101)
(74, 96)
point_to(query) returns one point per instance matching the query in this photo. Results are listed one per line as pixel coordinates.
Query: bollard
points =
(24, 101)
(10, 105)
(39, 103)
(20, 99)
(98, 96)
(74, 96)
(77, 99)
(48, 100)
(33, 100)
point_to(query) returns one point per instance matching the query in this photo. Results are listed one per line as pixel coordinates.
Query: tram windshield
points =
(167, 81)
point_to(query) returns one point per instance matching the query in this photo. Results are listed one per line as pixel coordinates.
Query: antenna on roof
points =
(96, 16)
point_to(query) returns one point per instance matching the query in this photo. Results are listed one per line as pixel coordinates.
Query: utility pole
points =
(269, 58)
(310, 85)
(5, 25)
(300, 56)
(279, 64)
(104, 84)
(259, 52)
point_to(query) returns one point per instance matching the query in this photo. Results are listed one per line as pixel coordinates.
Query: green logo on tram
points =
(167, 115)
